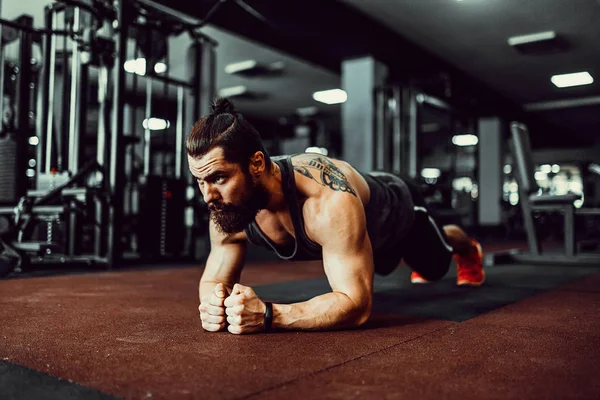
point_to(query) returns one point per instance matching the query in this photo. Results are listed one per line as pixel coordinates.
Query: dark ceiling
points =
(431, 43)
(455, 50)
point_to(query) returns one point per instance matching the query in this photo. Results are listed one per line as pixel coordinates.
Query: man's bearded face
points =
(234, 217)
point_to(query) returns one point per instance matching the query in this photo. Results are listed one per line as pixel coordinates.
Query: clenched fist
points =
(245, 311)
(212, 309)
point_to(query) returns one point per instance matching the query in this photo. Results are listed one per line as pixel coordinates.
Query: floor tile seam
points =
(532, 329)
(330, 367)
(571, 290)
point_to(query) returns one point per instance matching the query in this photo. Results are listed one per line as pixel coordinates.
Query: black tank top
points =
(390, 214)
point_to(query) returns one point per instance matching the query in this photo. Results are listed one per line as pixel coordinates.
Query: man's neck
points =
(274, 185)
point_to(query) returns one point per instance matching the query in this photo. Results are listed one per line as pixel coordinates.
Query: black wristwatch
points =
(268, 316)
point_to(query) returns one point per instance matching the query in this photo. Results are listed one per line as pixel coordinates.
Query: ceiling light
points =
(302, 130)
(155, 124)
(575, 79)
(431, 173)
(160, 68)
(233, 91)
(465, 140)
(539, 43)
(333, 96)
(531, 38)
(307, 111)
(317, 150)
(237, 67)
(137, 66)
(253, 68)
(34, 140)
(595, 168)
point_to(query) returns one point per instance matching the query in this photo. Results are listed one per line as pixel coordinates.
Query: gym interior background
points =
(493, 106)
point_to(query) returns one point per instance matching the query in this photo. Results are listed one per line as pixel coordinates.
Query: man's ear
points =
(257, 163)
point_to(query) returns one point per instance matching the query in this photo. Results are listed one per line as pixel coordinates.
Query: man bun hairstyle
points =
(224, 127)
(223, 106)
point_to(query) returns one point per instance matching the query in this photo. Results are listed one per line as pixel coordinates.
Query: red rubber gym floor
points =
(137, 335)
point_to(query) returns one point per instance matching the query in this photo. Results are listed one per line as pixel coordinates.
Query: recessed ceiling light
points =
(155, 124)
(307, 111)
(233, 91)
(317, 150)
(431, 173)
(575, 79)
(137, 66)
(333, 96)
(240, 66)
(465, 140)
(160, 67)
(531, 38)
(253, 68)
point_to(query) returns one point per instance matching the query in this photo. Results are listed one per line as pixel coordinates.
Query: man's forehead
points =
(211, 160)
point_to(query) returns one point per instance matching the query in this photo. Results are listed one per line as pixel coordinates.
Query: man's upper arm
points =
(226, 258)
(341, 229)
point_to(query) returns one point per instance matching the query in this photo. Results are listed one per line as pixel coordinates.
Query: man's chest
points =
(278, 228)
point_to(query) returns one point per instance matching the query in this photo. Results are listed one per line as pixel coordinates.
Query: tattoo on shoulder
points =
(330, 175)
(304, 171)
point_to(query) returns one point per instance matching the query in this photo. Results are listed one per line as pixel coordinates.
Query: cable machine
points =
(83, 190)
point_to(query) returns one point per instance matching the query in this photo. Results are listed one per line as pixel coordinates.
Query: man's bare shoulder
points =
(323, 178)
(335, 194)
(327, 173)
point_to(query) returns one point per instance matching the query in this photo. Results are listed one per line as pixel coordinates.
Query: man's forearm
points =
(328, 311)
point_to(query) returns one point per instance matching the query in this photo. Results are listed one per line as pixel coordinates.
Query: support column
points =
(360, 77)
(116, 170)
(490, 171)
(201, 69)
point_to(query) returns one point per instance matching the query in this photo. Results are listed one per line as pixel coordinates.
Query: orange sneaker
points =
(470, 267)
(415, 277)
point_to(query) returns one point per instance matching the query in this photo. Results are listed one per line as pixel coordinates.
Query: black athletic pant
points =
(425, 248)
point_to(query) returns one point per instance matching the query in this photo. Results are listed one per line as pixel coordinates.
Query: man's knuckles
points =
(234, 319)
(238, 288)
(213, 319)
(207, 326)
(214, 310)
(235, 310)
(235, 329)
(233, 301)
(216, 301)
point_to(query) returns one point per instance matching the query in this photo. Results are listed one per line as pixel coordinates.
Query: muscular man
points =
(307, 207)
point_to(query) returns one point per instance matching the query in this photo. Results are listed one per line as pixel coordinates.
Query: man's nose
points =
(210, 194)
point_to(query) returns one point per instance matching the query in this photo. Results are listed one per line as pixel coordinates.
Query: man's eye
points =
(219, 179)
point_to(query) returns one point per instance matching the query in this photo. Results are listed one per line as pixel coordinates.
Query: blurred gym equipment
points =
(413, 128)
(69, 95)
(532, 199)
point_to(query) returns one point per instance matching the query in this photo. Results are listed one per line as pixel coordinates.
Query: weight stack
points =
(161, 226)
(11, 189)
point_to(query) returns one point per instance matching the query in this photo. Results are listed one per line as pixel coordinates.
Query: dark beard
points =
(233, 218)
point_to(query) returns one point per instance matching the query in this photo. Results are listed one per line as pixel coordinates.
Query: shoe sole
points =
(471, 283)
(419, 281)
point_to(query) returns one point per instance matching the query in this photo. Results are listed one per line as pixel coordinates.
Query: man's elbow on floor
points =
(362, 315)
